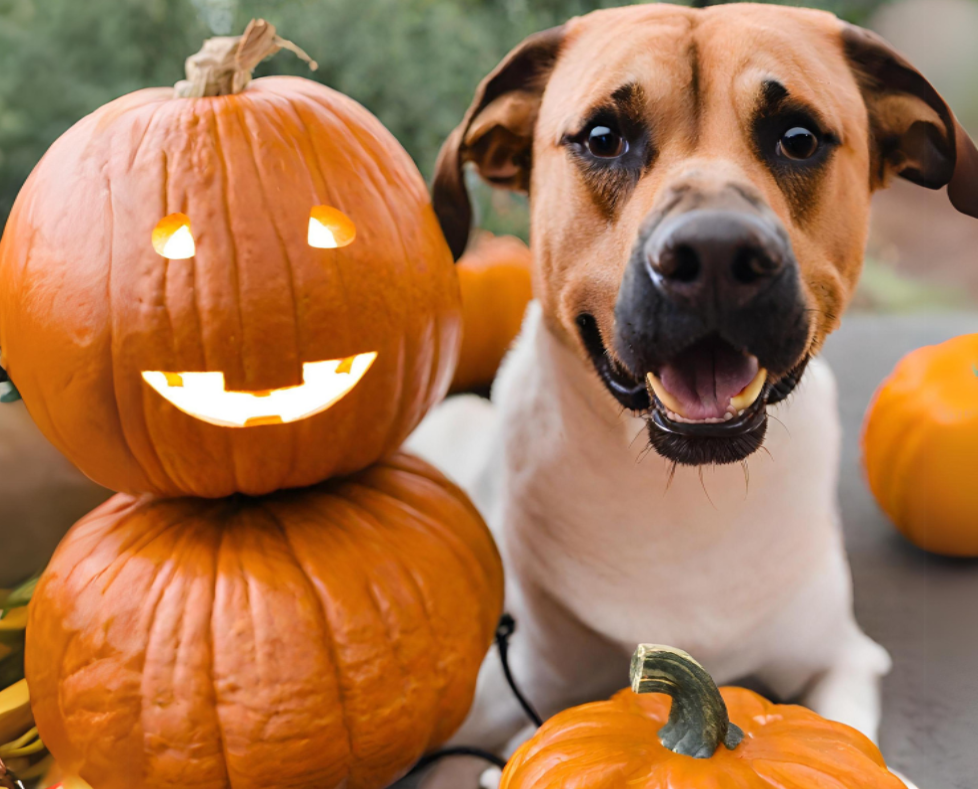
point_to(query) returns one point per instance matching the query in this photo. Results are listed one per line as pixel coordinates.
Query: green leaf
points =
(21, 596)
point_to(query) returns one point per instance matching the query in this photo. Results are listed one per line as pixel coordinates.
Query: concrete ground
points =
(923, 608)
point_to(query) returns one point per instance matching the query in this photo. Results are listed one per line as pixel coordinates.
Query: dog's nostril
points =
(751, 264)
(687, 264)
(679, 263)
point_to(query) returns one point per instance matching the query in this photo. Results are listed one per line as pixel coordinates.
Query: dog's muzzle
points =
(711, 327)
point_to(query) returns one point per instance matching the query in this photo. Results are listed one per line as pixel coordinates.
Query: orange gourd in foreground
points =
(234, 286)
(704, 738)
(920, 447)
(495, 278)
(324, 637)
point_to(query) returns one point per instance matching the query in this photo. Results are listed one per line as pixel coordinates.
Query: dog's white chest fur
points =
(745, 570)
(585, 505)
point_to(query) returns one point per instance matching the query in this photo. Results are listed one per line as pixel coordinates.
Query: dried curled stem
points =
(224, 64)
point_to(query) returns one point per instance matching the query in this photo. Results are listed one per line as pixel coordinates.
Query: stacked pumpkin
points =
(231, 304)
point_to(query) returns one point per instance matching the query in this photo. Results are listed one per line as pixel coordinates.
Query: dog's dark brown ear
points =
(915, 134)
(496, 133)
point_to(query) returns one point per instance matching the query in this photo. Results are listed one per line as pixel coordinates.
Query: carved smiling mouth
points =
(204, 396)
(706, 405)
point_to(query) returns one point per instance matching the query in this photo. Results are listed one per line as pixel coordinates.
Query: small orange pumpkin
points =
(704, 739)
(495, 278)
(324, 637)
(237, 286)
(920, 445)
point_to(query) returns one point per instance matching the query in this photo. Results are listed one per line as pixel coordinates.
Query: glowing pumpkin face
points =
(235, 293)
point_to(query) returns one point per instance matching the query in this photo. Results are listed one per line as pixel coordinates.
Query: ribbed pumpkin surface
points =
(318, 638)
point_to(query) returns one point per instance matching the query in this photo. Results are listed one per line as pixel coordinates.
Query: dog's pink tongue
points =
(706, 377)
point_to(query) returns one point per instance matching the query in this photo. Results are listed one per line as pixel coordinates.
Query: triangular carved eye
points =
(330, 228)
(173, 238)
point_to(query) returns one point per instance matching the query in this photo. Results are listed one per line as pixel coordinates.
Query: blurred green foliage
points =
(412, 62)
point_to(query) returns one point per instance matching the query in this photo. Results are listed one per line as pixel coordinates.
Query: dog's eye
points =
(605, 143)
(798, 143)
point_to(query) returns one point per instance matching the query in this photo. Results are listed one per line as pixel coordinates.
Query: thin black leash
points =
(504, 631)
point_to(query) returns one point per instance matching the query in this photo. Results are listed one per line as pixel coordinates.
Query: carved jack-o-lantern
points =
(238, 288)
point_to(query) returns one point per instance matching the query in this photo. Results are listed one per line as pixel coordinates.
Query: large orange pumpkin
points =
(270, 234)
(920, 447)
(314, 638)
(703, 738)
(495, 278)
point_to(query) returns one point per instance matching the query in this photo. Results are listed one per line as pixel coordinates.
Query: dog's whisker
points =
(703, 485)
(786, 430)
(670, 476)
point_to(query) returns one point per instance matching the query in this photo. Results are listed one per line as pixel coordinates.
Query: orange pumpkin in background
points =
(495, 277)
(704, 738)
(920, 447)
(232, 287)
(324, 637)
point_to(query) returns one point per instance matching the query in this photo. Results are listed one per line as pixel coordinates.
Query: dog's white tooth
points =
(750, 393)
(670, 402)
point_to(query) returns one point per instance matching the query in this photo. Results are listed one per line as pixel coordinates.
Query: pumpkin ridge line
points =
(424, 522)
(396, 650)
(266, 507)
(171, 570)
(161, 466)
(112, 349)
(239, 113)
(235, 275)
(142, 137)
(219, 724)
(426, 604)
(294, 440)
(170, 474)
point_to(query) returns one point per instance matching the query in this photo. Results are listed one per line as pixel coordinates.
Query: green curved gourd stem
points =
(698, 722)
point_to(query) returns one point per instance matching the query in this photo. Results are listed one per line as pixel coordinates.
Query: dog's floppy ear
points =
(915, 134)
(496, 133)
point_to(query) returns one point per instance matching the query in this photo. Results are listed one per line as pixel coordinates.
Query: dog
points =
(699, 184)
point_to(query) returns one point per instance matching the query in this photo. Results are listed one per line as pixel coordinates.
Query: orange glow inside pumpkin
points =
(203, 395)
(173, 238)
(330, 228)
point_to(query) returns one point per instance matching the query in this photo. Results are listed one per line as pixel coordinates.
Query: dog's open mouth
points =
(706, 405)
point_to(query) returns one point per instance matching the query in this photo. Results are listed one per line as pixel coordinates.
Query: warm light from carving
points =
(203, 396)
(330, 228)
(173, 239)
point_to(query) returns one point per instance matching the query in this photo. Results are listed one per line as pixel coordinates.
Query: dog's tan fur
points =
(700, 73)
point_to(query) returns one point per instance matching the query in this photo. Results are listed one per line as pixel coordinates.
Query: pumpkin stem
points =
(698, 722)
(224, 64)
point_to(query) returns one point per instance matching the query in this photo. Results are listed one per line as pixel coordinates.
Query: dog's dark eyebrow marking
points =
(628, 100)
(773, 94)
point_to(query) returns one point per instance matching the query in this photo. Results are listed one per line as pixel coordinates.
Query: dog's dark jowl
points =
(710, 316)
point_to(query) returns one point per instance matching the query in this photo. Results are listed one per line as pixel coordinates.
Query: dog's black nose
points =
(714, 257)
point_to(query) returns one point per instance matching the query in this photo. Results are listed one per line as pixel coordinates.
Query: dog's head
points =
(700, 185)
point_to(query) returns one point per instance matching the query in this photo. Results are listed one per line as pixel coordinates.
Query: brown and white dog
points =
(700, 186)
